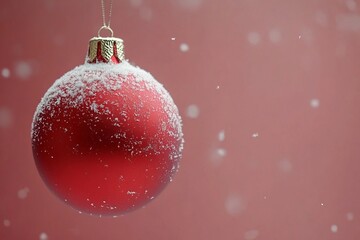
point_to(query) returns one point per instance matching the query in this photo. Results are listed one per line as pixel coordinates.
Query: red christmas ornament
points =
(107, 136)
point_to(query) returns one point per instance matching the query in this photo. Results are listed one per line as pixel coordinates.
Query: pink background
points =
(268, 91)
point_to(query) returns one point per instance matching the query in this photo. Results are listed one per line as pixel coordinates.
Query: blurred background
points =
(269, 93)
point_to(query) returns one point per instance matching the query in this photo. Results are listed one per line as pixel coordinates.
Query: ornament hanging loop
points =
(107, 28)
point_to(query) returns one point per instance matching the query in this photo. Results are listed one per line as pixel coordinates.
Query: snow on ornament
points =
(107, 137)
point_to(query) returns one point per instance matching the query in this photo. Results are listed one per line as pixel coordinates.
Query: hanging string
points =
(103, 13)
(106, 26)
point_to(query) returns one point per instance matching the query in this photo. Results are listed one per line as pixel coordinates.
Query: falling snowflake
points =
(334, 228)
(221, 135)
(5, 72)
(192, 111)
(217, 156)
(251, 234)
(285, 166)
(234, 205)
(275, 36)
(253, 38)
(314, 103)
(7, 223)
(23, 193)
(43, 236)
(184, 47)
(350, 216)
(23, 70)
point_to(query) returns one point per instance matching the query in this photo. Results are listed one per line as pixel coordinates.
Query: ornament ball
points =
(107, 136)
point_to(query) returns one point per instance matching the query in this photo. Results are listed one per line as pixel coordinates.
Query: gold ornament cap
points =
(106, 49)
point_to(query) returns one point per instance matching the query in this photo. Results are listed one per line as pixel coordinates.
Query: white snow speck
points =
(322, 204)
(22, 193)
(251, 234)
(131, 193)
(7, 223)
(173, 39)
(285, 166)
(5, 72)
(217, 87)
(136, 3)
(221, 135)
(94, 107)
(275, 36)
(350, 216)
(255, 135)
(192, 111)
(43, 236)
(253, 38)
(23, 70)
(234, 205)
(306, 35)
(184, 47)
(221, 152)
(217, 156)
(314, 103)
(334, 228)
(5, 117)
